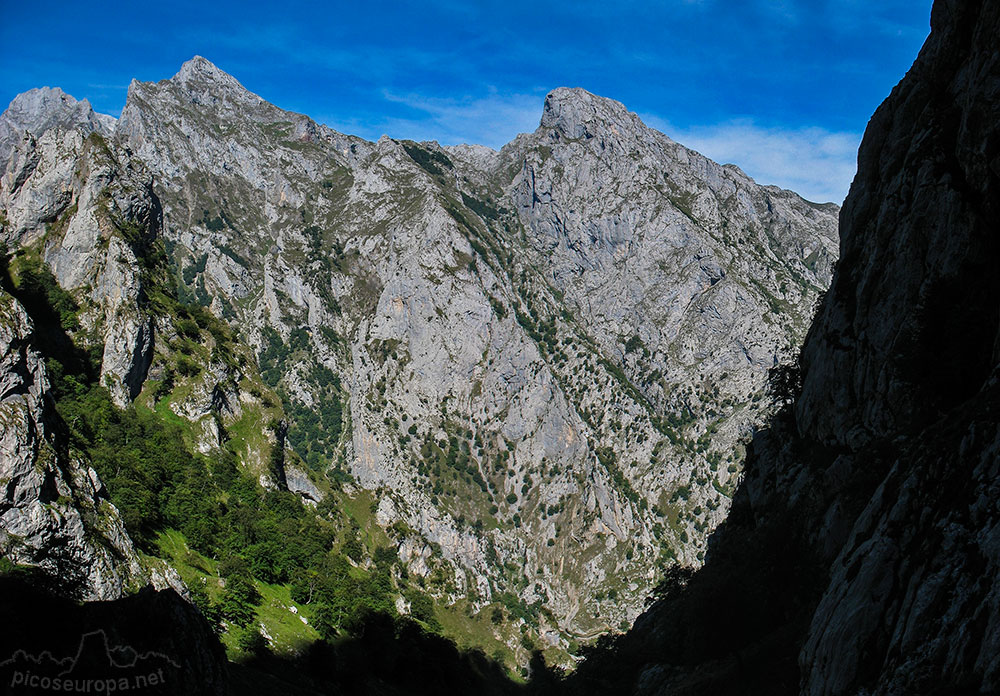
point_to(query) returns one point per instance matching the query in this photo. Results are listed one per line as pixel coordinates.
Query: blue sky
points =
(783, 88)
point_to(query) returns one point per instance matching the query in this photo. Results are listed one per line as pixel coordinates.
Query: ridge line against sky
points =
(782, 88)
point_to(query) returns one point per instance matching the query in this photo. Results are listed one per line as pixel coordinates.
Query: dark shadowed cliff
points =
(862, 548)
(862, 551)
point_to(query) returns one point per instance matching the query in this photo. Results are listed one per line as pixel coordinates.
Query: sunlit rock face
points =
(542, 361)
(54, 511)
(45, 108)
(862, 553)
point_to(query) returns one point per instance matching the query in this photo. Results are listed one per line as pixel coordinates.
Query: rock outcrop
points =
(862, 553)
(54, 511)
(93, 214)
(541, 361)
(905, 358)
(39, 110)
(536, 359)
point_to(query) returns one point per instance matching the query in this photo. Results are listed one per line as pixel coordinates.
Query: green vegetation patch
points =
(428, 160)
(314, 431)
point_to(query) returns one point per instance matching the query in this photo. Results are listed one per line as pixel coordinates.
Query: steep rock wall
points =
(862, 551)
(54, 511)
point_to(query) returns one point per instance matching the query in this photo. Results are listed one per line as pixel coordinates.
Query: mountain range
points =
(346, 398)
(528, 376)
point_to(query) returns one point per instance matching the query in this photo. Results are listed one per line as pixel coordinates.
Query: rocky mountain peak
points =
(40, 109)
(41, 100)
(576, 113)
(506, 350)
(200, 71)
(44, 103)
(206, 94)
(199, 82)
(876, 487)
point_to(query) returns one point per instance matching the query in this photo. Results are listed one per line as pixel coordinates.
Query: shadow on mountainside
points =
(861, 551)
(735, 627)
(388, 655)
(160, 644)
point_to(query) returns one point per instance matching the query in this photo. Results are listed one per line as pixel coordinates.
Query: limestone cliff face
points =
(862, 554)
(541, 361)
(905, 355)
(93, 214)
(648, 239)
(54, 511)
(88, 211)
(84, 211)
(39, 110)
(909, 330)
(582, 321)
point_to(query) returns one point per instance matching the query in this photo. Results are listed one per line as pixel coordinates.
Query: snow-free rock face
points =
(652, 242)
(94, 214)
(862, 553)
(908, 348)
(45, 108)
(87, 211)
(910, 326)
(550, 318)
(54, 511)
(541, 361)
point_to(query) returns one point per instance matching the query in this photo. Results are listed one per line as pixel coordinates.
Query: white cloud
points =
(816, 163)
(491, 120)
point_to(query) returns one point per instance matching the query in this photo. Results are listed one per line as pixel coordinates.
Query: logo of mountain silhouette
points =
(97, 666)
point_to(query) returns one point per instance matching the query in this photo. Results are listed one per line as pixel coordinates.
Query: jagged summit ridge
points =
(206, 98)
(202, 77)
(42, 109)
(577, 113)
(553, 316)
